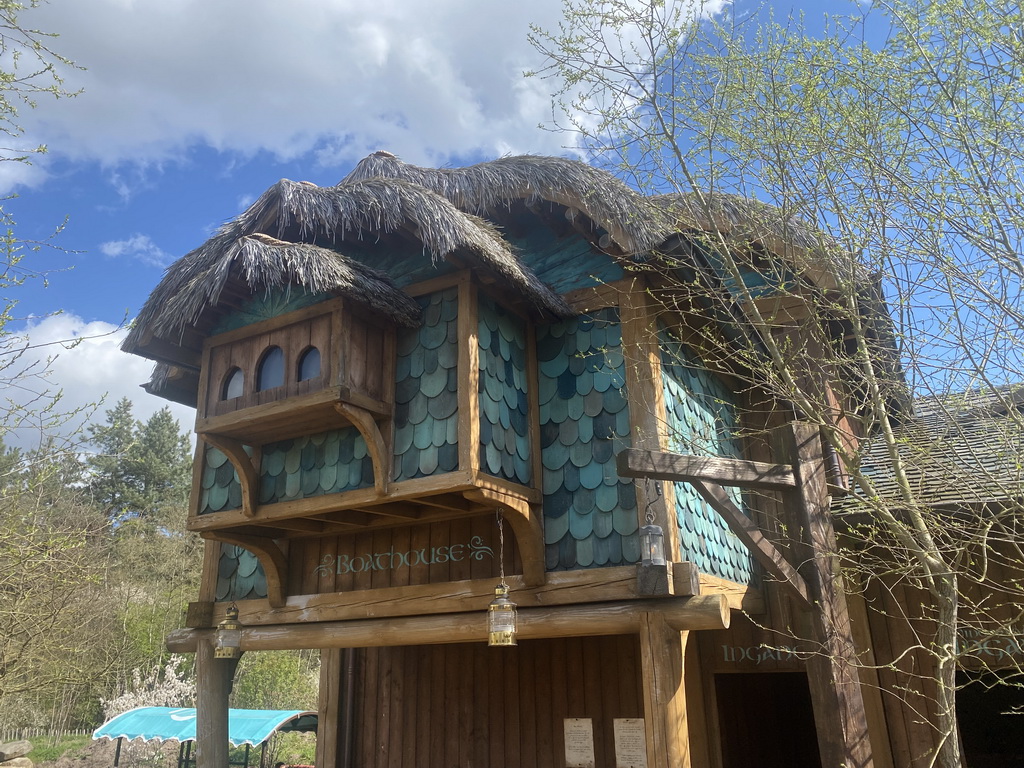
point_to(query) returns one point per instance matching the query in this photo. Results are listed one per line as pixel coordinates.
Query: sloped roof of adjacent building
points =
(963, 449)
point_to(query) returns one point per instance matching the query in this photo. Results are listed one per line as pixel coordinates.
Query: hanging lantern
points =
(501, 618)
(228, 642)
(652, 545)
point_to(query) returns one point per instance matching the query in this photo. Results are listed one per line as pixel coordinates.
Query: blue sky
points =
(189, 109)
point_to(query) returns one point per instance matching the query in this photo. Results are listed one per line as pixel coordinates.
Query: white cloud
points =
(139, 247)
(340, 78)
(83, 362)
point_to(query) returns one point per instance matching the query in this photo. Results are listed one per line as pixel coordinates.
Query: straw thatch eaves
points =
(634, 225)
(295, 235)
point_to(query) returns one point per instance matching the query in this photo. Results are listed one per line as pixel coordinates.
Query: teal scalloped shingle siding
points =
(264, 306)
(504, 408)
(240, 575)
(404, 263)
(220, 488)
(426, 391)
(328, 462)
(565, 264)
(763, 281)
(702, 420)
(589, 512)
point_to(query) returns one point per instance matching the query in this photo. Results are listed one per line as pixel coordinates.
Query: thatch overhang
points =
(633, 223)
(294, 235)
(201, 286)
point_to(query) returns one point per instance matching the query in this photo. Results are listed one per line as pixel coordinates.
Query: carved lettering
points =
(341, 565)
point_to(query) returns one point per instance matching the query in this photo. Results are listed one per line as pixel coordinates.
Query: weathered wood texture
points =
(213, 684)
(328, 731)
(661, 657)
(470, 705)
(353, 368)
(832, 672)
(681, 614)
(905, 670)
(671, 466)
(454, 550)
(597, 585)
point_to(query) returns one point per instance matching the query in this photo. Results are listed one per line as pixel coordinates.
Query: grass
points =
(45, 751)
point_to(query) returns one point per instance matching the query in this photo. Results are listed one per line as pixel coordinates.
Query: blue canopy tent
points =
(246, 727)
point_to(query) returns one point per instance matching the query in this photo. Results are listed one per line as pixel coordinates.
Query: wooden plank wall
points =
(307, 555)
(471, 705)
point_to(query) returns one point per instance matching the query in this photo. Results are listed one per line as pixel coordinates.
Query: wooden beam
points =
(469, 375)
(648, 415)
(362, 498)
(680, 614)
(741, 597)
(380, 456)
(836, 696)
(526, 522)
(771, 559)
(594, 585)
(682, 468)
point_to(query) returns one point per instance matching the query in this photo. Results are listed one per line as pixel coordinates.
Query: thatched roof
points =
(296, 235)
(631, 220)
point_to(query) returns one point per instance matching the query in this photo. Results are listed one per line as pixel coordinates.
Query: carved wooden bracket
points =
(363, 420)
(275, 566)
(527, 526)
(244, 465)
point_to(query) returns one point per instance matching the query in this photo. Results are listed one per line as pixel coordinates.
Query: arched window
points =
(234, 384)
(270, 371)
(309, 364)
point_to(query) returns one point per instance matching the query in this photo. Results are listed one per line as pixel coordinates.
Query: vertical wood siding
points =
(470, 705)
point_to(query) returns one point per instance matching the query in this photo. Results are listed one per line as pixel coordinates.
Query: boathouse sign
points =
(340, 565)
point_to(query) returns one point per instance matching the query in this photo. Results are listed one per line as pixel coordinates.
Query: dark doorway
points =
(992, 737)
(766, 720)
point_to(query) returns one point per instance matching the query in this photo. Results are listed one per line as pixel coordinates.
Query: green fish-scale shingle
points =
(503, 396)
(702, 421)
(240, 575)
(426, 391)
(328, 462)
(220, 488)
(589, 512)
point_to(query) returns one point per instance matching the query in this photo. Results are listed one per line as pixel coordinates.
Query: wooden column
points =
(328, 733)
(836, 695)
(661, 653)
(213, 682)
(647, 417)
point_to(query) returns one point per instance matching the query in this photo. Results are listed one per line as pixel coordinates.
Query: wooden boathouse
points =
(420, 383)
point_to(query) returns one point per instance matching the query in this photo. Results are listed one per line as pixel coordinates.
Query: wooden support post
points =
(832, 671)
(329, 709)
(213, 682)
(662, 649)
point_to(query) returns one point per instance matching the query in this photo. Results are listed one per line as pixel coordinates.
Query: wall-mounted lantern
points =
(227, 643)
